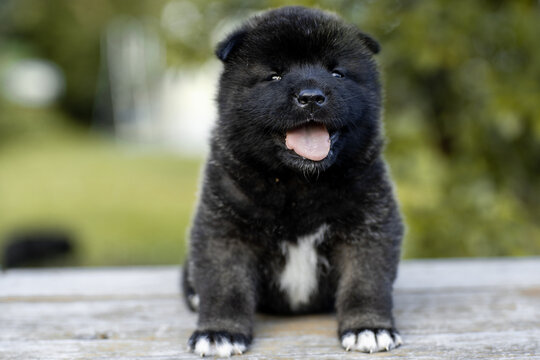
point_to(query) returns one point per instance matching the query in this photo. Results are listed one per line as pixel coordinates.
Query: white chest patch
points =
(299, 277)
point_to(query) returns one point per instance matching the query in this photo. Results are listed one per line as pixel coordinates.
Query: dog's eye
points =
(337, 74)
(274, 77)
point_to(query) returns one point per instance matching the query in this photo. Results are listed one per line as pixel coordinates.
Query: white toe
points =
(384, 341)
(397, 339)
(202, 347)
(348, 341)
(366, 342)
(239, 348)
(224, 348)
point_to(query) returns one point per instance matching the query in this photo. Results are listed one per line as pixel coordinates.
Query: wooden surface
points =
(445, 309)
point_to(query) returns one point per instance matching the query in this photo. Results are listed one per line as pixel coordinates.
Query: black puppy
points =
(296, 212)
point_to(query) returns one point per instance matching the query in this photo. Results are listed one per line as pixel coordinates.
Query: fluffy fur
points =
(262, 205)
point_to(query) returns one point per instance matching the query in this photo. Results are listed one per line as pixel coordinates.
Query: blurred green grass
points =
(123, 206)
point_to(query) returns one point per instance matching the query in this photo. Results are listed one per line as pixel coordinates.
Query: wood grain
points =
(445, 309)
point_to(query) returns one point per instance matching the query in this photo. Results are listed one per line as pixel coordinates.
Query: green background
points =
(462, 115)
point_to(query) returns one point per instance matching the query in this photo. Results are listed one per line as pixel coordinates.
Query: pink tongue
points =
(311, 141)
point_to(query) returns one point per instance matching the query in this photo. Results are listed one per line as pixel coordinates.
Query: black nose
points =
(311, 96)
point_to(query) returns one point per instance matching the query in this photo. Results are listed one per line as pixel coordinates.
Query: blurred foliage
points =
(69, 33)
(462, 111)
(463, 116)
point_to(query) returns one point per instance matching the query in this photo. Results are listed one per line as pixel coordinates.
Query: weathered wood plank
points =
(445, 309)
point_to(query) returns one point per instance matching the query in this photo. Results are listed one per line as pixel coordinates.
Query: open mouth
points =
(310, 140)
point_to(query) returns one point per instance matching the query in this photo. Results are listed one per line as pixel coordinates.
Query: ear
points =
(226, 46)
(370, 43)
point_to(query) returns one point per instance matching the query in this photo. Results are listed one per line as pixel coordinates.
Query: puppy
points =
(296, 213)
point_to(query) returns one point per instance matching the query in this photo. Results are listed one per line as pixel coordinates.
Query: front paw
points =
(370, 340)
(220, 343)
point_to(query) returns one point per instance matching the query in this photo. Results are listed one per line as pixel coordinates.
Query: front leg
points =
(224, 280)
(364, 296)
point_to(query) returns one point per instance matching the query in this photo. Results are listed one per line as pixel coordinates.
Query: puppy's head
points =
(299, 90)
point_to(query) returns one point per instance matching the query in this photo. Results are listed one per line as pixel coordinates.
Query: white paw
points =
(194, 301)
(370, 340)
(219, 343)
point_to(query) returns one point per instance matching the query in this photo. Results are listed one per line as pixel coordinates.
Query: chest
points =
(298, 278)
